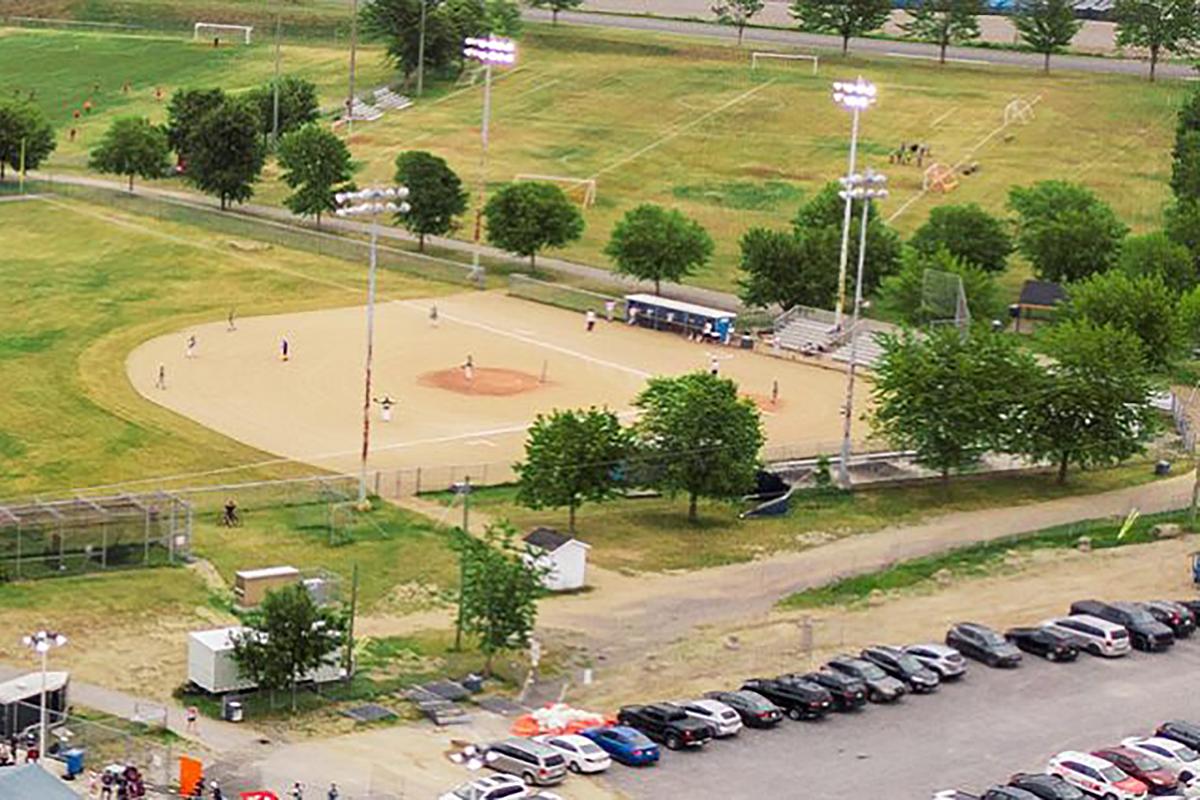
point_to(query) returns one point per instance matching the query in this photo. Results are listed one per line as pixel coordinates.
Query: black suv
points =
(881, 687)
(848, 693)
(1187, 733)
(983, 644)
(1046, 787)
(755, 710)
(1178, 618)
(1145, 632)
(798, 699)
(903, 667)
(668, 724)
(1048, 644)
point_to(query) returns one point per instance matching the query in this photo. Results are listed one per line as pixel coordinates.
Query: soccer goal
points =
(1018, 110)
(584, 188)
(215, 31)
(756, 57)
(944, 300)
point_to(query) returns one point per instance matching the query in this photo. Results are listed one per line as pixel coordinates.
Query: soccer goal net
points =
(944, 300)
(582, 188)
(755, 58)
(217, 32)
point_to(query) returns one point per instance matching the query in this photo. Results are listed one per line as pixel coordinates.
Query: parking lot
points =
(968, 735)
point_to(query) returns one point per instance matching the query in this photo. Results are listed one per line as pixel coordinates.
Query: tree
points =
(781, 268)
(435, 194)
(315, 163)
(652, 243)
(1089, 407)
(1185, 166)
(1188, 311)
(23, 126)
(698, 437)
(225, 153)
(944, 22)
(132, 147)
(905, 292)
(1141, 305)
(1065, 231)
(504, 18)
(501, 586)
(1188, 116)
(967, 232)
(1182, 225)
(950, 398)
(397, 23)
(1159, 26)
(298, 105)
(737, 13)
(525, 218)
(818, 225)
(1156, 254)
(184, 112)
(556, 6)
(286, 638)
(571, 457)
(844, 18)
(1046, 26)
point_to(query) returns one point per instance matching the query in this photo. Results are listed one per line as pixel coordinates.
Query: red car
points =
(1158, 780)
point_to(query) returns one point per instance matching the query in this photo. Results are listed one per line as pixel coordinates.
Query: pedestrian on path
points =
(191, 346)
(385, 407)
(775, 392)
(433, 316)
(610, 309)
(232, 326)
(333, 792)
(161, 381)
(590, 318)
(284, 349)
(714, 365)
(193, 713)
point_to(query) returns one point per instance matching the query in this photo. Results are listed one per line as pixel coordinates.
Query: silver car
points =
(533, 762)
(947, 662)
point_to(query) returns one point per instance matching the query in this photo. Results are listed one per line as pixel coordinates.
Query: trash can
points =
(1162, 467)
(73, 758)
(747, 341)
(234, 711)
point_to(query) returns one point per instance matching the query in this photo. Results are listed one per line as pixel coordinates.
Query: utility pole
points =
(421, 51)
(464, 490)
(350, 628)
(275, 86)
(353, 56)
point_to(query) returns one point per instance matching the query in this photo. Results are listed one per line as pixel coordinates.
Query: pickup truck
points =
(668, 724)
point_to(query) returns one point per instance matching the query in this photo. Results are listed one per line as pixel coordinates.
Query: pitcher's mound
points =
(488, 381)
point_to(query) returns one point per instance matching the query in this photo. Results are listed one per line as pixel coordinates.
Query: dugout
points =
(1038, 302)
(665, 314)
(21, 702)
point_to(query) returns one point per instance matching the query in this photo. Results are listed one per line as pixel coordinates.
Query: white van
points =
(1097, 636)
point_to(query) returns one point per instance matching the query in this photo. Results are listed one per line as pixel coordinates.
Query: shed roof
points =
(1042, 293)
(31, 782)
(29, 685)
(550, 540)
(680, 305)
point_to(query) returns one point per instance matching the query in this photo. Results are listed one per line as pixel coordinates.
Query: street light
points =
(866, 187)
(492, 51)
(856, 97)
(371, 203)
(42, 643)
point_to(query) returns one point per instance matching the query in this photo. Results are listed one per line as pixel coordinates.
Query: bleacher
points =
(364, 112)
(387, 100)
(869, 350)
(806, 334)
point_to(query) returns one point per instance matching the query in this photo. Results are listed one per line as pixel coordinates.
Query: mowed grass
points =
(85, 285)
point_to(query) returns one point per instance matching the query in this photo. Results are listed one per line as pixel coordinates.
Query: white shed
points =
(212, 668)
(564, 556)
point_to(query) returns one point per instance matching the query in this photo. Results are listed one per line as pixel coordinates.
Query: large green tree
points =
(571, 457)
(737, 13)
(1188, 312)
(184, 112)
(1157, 26)
(1185, 166)
(286, 638)
(225, 153)
(1089, 407)
(950, 398)
(134, 148)
(315, 163)
(298, 104)
(779, 267)
(652, 243)
(1157, 254)
(698, 437)
(556, 7)
(818, 224)
(526, 218)
(1046, 26)
(966, 232)
(844, 18)
(436, 194)
(23, 128)
(944, 22)
(910, 294)
(1139, 304)
(397, 23)
(1065, 231)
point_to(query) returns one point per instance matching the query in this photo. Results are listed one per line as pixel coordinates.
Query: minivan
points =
(1145, 632)
(533, 762)
(1097, 636)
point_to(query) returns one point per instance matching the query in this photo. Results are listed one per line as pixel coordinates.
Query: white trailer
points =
(212, 668)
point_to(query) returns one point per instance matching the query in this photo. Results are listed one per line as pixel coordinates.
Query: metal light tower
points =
(866, 187)
(856, 97)
(371, 203)
(42, 643)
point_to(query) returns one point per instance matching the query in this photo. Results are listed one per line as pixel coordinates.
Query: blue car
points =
(626, 745)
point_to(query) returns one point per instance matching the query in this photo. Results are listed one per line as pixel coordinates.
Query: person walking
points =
(284, 349)
(191, 347)
(433, 316)
(333, 792)
(775, 392)
(590, 318)
(385, 407)
(231, 326)
(161, 381)
(714, 365)
(610, 309)
(468, 369)
(633, 313)
(216, 792)
(297, 792)
(193, 714)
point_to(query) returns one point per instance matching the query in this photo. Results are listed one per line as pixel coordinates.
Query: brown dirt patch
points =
(764, 402)
(487, 381)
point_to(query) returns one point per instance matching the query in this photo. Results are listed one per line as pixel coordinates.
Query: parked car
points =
(495, 787)
(1098, 636)
(798, 699)
(1183, 732)
(755, 710)
(903, 667)
(1046, 787)
(1178, 618)
(1145, 632)
(533, 762)
(994, 793)
(666, 723)
(1192, 604)
(581, 754)
(723, 720)
(849, 694)
(1173, 755)
(983, 644)
(947, 662)
(628, 746)
(1158, 780)
(881, 687)
(1096, 776)
(1045, 642)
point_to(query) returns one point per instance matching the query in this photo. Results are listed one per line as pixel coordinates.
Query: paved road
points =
(968, 735)
(875, 47)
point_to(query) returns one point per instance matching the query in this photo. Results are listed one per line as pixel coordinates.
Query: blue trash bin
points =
(74, 761)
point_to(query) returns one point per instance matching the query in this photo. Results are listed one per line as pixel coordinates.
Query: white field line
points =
(536, 88)
(943, 117)
(681, 129)
(17, 198)
(955, 167)
(495, 79)
(950, 60)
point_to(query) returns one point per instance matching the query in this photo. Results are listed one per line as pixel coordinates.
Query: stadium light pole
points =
(421, 50)
(353, 60)
(275, 84)
(42, 642)
(866, 187)
(489, 52)
(370, 203)
(856, 97)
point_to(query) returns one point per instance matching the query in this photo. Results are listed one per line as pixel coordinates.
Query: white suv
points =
(1097, 636)
(1096, 776)
(721, 718)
